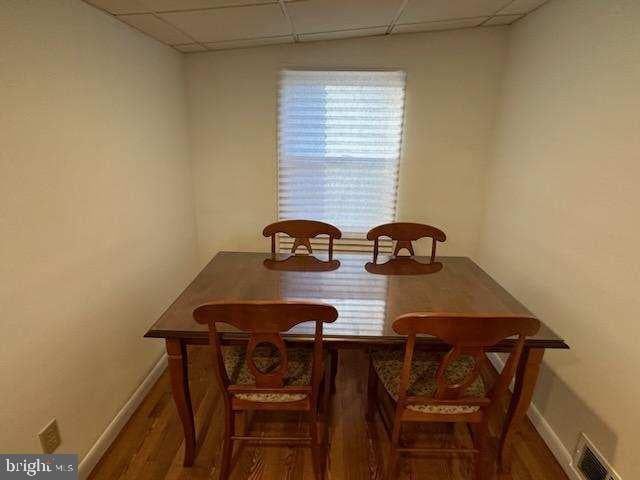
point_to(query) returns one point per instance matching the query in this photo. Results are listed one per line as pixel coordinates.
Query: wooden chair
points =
(428, 386)
(404, 233)
(266, 375)
(302, 231)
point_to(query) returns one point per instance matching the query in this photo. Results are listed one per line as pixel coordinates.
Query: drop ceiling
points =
(201, 25)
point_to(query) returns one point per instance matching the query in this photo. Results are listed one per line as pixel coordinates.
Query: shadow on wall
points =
(553, 398)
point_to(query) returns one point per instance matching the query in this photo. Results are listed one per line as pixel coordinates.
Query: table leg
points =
(525, 382)
(179, 372)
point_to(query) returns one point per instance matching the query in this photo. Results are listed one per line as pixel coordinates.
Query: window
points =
(339, 137)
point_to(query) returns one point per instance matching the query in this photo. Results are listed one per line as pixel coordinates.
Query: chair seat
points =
(422, 382)
(300, 361)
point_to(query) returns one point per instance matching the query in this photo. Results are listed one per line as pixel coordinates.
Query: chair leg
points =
(227, 445)
(395, 443)
(334, 368)
(326, 400)
(481, 441)
(317, 450)
(372, 392)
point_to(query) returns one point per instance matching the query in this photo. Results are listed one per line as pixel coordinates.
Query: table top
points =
(368, 297)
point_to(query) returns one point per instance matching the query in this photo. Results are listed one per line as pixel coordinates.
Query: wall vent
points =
(589, 463)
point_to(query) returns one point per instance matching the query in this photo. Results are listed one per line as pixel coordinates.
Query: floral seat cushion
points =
(266, 358)
(422, 381)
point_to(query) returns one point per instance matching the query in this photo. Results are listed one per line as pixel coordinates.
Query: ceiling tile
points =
(222, 24)
(173, 5)
(254, 42)
(361, 32)
(190, 47)
(433, 10)
(120, 6)
(155, 27)
(331, 15)
(441, 25)
(502, 20)
(521, 6)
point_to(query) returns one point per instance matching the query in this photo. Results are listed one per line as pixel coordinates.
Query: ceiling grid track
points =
(497, 12)
(285, 12)
(209, 25)
(396, 17)
(196, 42)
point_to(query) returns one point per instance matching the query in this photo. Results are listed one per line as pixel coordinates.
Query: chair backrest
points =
(301, 263)
(264, 322)
(404, 233)
(302, 231)
(403, 266)
(468, 335)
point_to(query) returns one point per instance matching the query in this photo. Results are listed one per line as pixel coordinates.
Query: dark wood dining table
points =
(368, 298)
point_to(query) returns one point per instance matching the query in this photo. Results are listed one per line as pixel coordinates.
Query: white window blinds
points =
(339, 135)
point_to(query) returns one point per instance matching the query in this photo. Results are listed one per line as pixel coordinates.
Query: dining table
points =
(368, 296)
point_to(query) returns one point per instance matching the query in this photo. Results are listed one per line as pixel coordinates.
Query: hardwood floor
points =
(150, 446)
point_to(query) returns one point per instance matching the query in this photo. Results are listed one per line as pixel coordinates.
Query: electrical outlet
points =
(50, 437)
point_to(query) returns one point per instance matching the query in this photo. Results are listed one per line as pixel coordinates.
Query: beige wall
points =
(562, 222)
(452, 80)
(96, 215)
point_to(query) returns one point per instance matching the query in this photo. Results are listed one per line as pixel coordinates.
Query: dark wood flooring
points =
(150, 446)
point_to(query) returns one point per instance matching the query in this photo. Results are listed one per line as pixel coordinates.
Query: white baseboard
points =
(105, 440)
(562, 454)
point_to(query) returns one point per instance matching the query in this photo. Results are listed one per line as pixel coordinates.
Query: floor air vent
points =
(590, 464)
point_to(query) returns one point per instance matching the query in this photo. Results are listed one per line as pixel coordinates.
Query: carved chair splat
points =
(404, 233)
(302, 231)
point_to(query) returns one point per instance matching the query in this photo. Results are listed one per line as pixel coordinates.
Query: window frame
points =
(348, 242)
